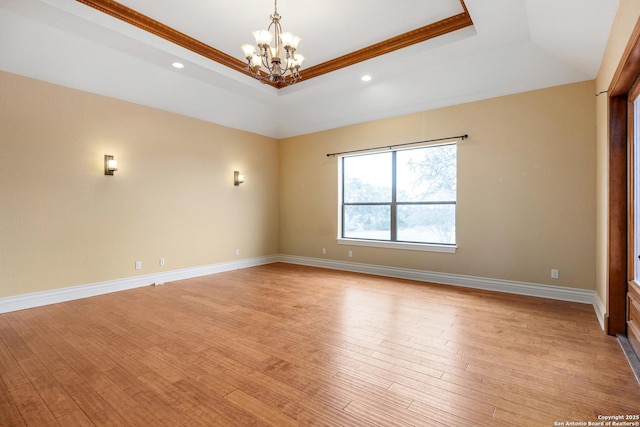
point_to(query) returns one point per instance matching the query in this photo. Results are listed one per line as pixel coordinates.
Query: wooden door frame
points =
(620, 223)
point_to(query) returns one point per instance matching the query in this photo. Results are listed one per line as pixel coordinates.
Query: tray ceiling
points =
(176, 24)
(512, 46)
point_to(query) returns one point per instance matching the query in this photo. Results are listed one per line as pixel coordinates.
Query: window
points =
(400, 197)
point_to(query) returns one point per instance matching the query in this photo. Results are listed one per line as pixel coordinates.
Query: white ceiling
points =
(514, 46)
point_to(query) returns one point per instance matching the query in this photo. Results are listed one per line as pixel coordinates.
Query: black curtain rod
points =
(461, 137)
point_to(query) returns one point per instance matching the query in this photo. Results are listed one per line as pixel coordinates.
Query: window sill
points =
(450, 249)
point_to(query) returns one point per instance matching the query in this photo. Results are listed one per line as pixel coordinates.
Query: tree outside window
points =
(401, 196)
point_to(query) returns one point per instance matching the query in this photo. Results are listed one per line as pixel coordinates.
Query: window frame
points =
(393, 243)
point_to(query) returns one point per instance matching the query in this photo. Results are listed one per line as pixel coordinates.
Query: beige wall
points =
(526, 187)
(626, 18)
(526, 199)
(64, 223)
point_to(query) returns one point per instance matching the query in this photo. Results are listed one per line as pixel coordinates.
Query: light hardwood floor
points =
(286, 345)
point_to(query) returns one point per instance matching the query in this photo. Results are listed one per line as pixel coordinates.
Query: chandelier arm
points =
(255, 74)
(289, 58)
(265, 60)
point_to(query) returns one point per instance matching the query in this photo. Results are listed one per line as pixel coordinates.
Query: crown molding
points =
(130, 16)
(418, 35)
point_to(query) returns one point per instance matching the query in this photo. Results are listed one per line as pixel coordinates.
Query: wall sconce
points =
(238, 178)
(110, 165)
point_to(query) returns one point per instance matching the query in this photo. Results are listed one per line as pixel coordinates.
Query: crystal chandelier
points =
(281, 62)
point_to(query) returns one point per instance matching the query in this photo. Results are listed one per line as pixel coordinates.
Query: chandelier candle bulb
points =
(289, 40)
(249, 50)
(263, 38)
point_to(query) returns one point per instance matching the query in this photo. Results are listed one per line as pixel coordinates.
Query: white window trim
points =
(426, 247)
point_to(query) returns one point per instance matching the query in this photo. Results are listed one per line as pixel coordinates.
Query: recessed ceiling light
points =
(178, 65)
(366, 78)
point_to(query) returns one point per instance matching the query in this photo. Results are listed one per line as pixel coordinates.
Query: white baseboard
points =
(600, 309)
(37, 299)
(519, 288)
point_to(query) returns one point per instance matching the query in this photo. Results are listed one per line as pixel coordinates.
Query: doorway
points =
(623, 302)
(632, 315)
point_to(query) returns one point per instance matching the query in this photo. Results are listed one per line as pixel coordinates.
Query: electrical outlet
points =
(138, 265)
(161, 262)
(555, 273)
(237, 252)
(350, 254)
(324, 251)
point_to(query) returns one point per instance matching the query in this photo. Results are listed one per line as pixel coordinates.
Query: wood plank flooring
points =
(284, 345)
